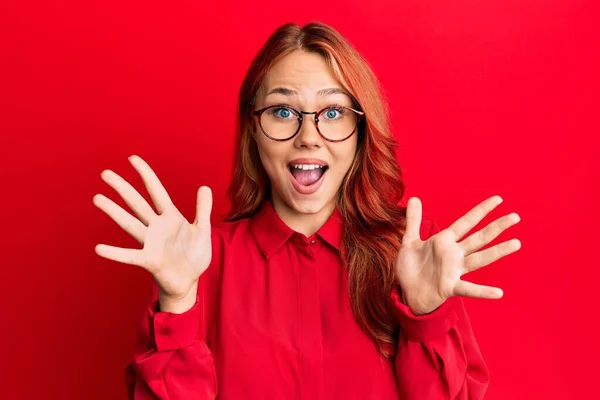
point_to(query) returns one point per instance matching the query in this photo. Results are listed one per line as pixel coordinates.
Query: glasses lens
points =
(280, 122)
(337, 123)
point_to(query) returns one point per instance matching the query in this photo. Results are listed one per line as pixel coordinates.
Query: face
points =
(299, 80)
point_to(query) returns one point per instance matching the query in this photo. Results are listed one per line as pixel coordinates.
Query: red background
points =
(502, 96)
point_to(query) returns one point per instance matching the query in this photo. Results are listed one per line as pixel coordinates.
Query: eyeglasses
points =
(334, 123)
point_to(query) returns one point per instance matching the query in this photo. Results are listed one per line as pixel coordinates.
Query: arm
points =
(170, 360)
(438, 357)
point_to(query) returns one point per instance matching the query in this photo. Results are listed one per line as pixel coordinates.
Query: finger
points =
(119, 254)
(488, 256)
(469, 289)
(203, 206)
(130, 224)
(484, 236)
(157, 191)
(132, 197)
(468, 221)
(413, 220)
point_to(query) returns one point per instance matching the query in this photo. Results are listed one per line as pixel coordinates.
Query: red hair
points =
(369, 195)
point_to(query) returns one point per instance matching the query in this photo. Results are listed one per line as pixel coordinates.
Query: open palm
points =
(429, 272)
(174, 251)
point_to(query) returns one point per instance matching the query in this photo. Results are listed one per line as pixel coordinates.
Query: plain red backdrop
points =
(503, 95)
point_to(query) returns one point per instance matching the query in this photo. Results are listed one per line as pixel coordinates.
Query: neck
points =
(306, 224)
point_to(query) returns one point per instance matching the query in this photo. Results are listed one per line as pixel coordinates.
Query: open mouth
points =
(307, 178)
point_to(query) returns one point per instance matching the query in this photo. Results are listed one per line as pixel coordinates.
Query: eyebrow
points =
(322, 92)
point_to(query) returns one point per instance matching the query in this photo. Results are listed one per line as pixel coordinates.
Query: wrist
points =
(178, 305)
(416, 311)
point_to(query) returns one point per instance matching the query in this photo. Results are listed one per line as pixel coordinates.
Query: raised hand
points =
(429, 272)
(174, 251)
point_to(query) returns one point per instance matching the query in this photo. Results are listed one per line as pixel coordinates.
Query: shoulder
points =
(228, 239)
(225, 233)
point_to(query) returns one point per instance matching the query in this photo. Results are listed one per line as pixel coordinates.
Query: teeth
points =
(307, 166)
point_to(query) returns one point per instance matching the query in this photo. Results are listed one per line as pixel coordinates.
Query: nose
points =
(308, 135)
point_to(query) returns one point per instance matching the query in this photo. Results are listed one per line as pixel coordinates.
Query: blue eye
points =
(282, 113)
(334, 113)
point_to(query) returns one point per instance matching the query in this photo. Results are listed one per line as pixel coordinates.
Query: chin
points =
(308, 206)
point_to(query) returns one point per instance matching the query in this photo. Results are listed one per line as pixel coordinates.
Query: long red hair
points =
(368, 197)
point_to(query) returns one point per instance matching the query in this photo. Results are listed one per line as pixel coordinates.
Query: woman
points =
(319, 285)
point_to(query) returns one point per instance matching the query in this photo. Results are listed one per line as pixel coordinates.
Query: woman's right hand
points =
(174, 251)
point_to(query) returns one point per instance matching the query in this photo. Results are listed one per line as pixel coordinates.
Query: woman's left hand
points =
(429, 272)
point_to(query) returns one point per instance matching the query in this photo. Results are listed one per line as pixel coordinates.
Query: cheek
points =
(270, 154)
(345, 156)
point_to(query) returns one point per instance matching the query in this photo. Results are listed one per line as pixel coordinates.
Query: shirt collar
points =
(271, 232)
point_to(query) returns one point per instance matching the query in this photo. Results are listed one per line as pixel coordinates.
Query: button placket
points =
(311, 348)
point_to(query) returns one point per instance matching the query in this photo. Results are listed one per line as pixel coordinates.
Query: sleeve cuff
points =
(174, 331)
(420, 328)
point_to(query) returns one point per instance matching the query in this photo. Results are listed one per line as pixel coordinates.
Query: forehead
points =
(301, 71)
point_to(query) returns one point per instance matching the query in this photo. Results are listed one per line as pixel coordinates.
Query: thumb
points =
(203, 206)
(413, 220)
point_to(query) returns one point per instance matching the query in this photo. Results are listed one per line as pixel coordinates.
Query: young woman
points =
(320, 285)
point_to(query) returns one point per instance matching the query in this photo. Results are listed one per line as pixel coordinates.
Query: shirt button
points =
(313, 241)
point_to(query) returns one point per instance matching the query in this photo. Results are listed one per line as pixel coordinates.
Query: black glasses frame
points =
(258, 114)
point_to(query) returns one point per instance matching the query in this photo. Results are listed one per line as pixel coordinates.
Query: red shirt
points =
(273, 321)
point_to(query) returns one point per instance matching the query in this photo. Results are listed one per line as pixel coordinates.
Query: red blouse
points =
(273, 321)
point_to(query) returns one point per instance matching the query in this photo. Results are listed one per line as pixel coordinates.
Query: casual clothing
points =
(273, 321)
